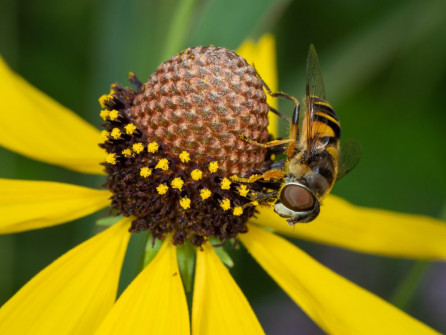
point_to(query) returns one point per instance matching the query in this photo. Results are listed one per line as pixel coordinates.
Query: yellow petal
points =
(337, 305)
(36, 126)
(154, 303)
(367, 230)
(219, 306)
(26, 205)
(74, 293)
(263, 56)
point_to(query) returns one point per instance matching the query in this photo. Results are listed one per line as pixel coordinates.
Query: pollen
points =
(177, 183)
(103, 99)
(196, 174)
(238, 211)
(185, 203)
(113, 115)
(104, 136)
(162, 164)
(225, 204)
(116, 133)
(111, 159)
(152, 147)
(213, 166)
(138, 147)
(184, 156)
(162, 189)
(243, 190)
(104, 114)
(145, 172)
(225, 184)
(205, 193)
(130, 128)
(127, 152)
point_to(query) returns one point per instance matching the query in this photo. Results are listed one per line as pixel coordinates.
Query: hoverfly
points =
(313, 162)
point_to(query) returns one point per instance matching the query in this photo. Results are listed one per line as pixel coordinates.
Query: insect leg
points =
(270, 174)
(279, 114)
(268, 198)
(267, 144)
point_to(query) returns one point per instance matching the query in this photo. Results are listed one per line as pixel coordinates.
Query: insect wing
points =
(315, 84)
(315, 90)
(349, 157)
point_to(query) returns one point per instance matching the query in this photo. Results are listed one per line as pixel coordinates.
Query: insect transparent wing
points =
(314, 90)
(315, 84)
(349, 157)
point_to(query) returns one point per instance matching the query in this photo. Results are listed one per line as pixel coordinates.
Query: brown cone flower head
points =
(175, 144)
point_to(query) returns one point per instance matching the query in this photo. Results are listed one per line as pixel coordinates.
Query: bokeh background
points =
(384, 65)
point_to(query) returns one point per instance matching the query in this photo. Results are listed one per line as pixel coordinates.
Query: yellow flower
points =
(76, 293)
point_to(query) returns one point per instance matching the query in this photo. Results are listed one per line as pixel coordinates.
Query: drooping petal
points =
(337, 305)
(74, 293)
(154, 303)
(368, 230)
(36, 126)
(219, 306)
(27, 205)
(263, 56)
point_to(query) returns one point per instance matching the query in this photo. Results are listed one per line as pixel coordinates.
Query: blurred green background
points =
(384, 65)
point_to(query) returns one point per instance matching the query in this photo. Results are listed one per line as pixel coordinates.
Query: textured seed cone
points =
(203, 100)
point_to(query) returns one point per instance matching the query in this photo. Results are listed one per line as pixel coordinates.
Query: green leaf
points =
(221, 252)
(227, 23)
(153, 245)
(178, 29)
(109, 221)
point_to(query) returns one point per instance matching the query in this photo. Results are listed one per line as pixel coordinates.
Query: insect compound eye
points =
(296, 198)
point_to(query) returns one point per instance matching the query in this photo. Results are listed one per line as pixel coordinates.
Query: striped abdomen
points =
(320, 151)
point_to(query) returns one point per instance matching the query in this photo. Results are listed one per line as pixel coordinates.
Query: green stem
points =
(178, 28)
(405, 291)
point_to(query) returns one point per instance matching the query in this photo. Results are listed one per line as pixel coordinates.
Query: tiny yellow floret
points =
(130, 128)
(104, 114)
(243, 190)
(205, 193)
(116, 133)
(145, 172)
(213, 166)
(162, 189)
(196, 174)
(238, 211)
(185, 202)
(225, 184)
(184, 156)
(113, 115)
(137, 147)
(110, 159)
(152, 147)
(162, 164)
(177, 183)
(127, 152)
(225, 204)
(103, 98)
(104, 135)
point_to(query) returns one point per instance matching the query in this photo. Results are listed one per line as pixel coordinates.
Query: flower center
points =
(175, 144)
